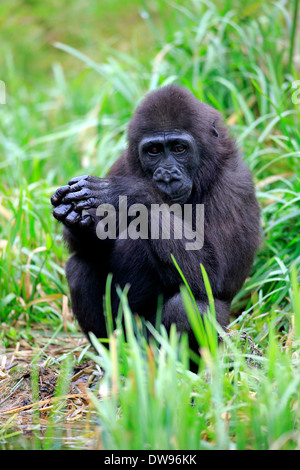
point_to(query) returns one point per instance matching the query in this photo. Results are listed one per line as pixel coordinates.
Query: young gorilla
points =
(178, 152)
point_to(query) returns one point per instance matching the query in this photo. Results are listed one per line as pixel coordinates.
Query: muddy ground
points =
(27, 422)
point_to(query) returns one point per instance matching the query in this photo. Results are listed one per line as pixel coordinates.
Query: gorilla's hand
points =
(76, 203)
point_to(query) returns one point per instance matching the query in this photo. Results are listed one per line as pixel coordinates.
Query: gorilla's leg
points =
(87, 287)
(174, 312)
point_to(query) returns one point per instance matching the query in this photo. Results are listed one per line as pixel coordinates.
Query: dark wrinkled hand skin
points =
(74, 201)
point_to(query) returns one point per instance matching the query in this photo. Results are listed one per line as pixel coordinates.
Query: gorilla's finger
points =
(72, 218)
(77, 178)
(86, 221)
(89, 178)
(59, 194)
(99, 185)
(61, 211)
(77, 196)
(87, 204)
(79, 185)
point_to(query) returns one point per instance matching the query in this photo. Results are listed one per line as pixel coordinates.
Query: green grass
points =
(71, 90)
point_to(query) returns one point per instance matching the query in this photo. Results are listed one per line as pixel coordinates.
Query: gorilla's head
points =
(170, 157)
(175, 139)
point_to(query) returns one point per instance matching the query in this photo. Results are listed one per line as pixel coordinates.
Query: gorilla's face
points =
(170, 158)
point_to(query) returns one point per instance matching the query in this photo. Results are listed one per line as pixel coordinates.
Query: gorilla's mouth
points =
(178, 191)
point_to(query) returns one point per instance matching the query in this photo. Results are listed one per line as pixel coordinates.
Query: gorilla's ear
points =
(214, 129)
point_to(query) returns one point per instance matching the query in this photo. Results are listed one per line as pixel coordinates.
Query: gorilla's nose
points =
(165, 175)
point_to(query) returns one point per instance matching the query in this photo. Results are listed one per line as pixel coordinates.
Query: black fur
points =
(219, 180)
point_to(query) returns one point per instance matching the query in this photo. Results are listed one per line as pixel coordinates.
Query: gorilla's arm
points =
(76, 204)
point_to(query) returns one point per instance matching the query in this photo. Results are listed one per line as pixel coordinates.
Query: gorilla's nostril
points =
(165, 176)
(157, 174)
(161, 175)
(176, 173)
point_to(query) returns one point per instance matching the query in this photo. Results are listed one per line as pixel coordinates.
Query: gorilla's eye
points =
(179, 148)
(154, 150)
